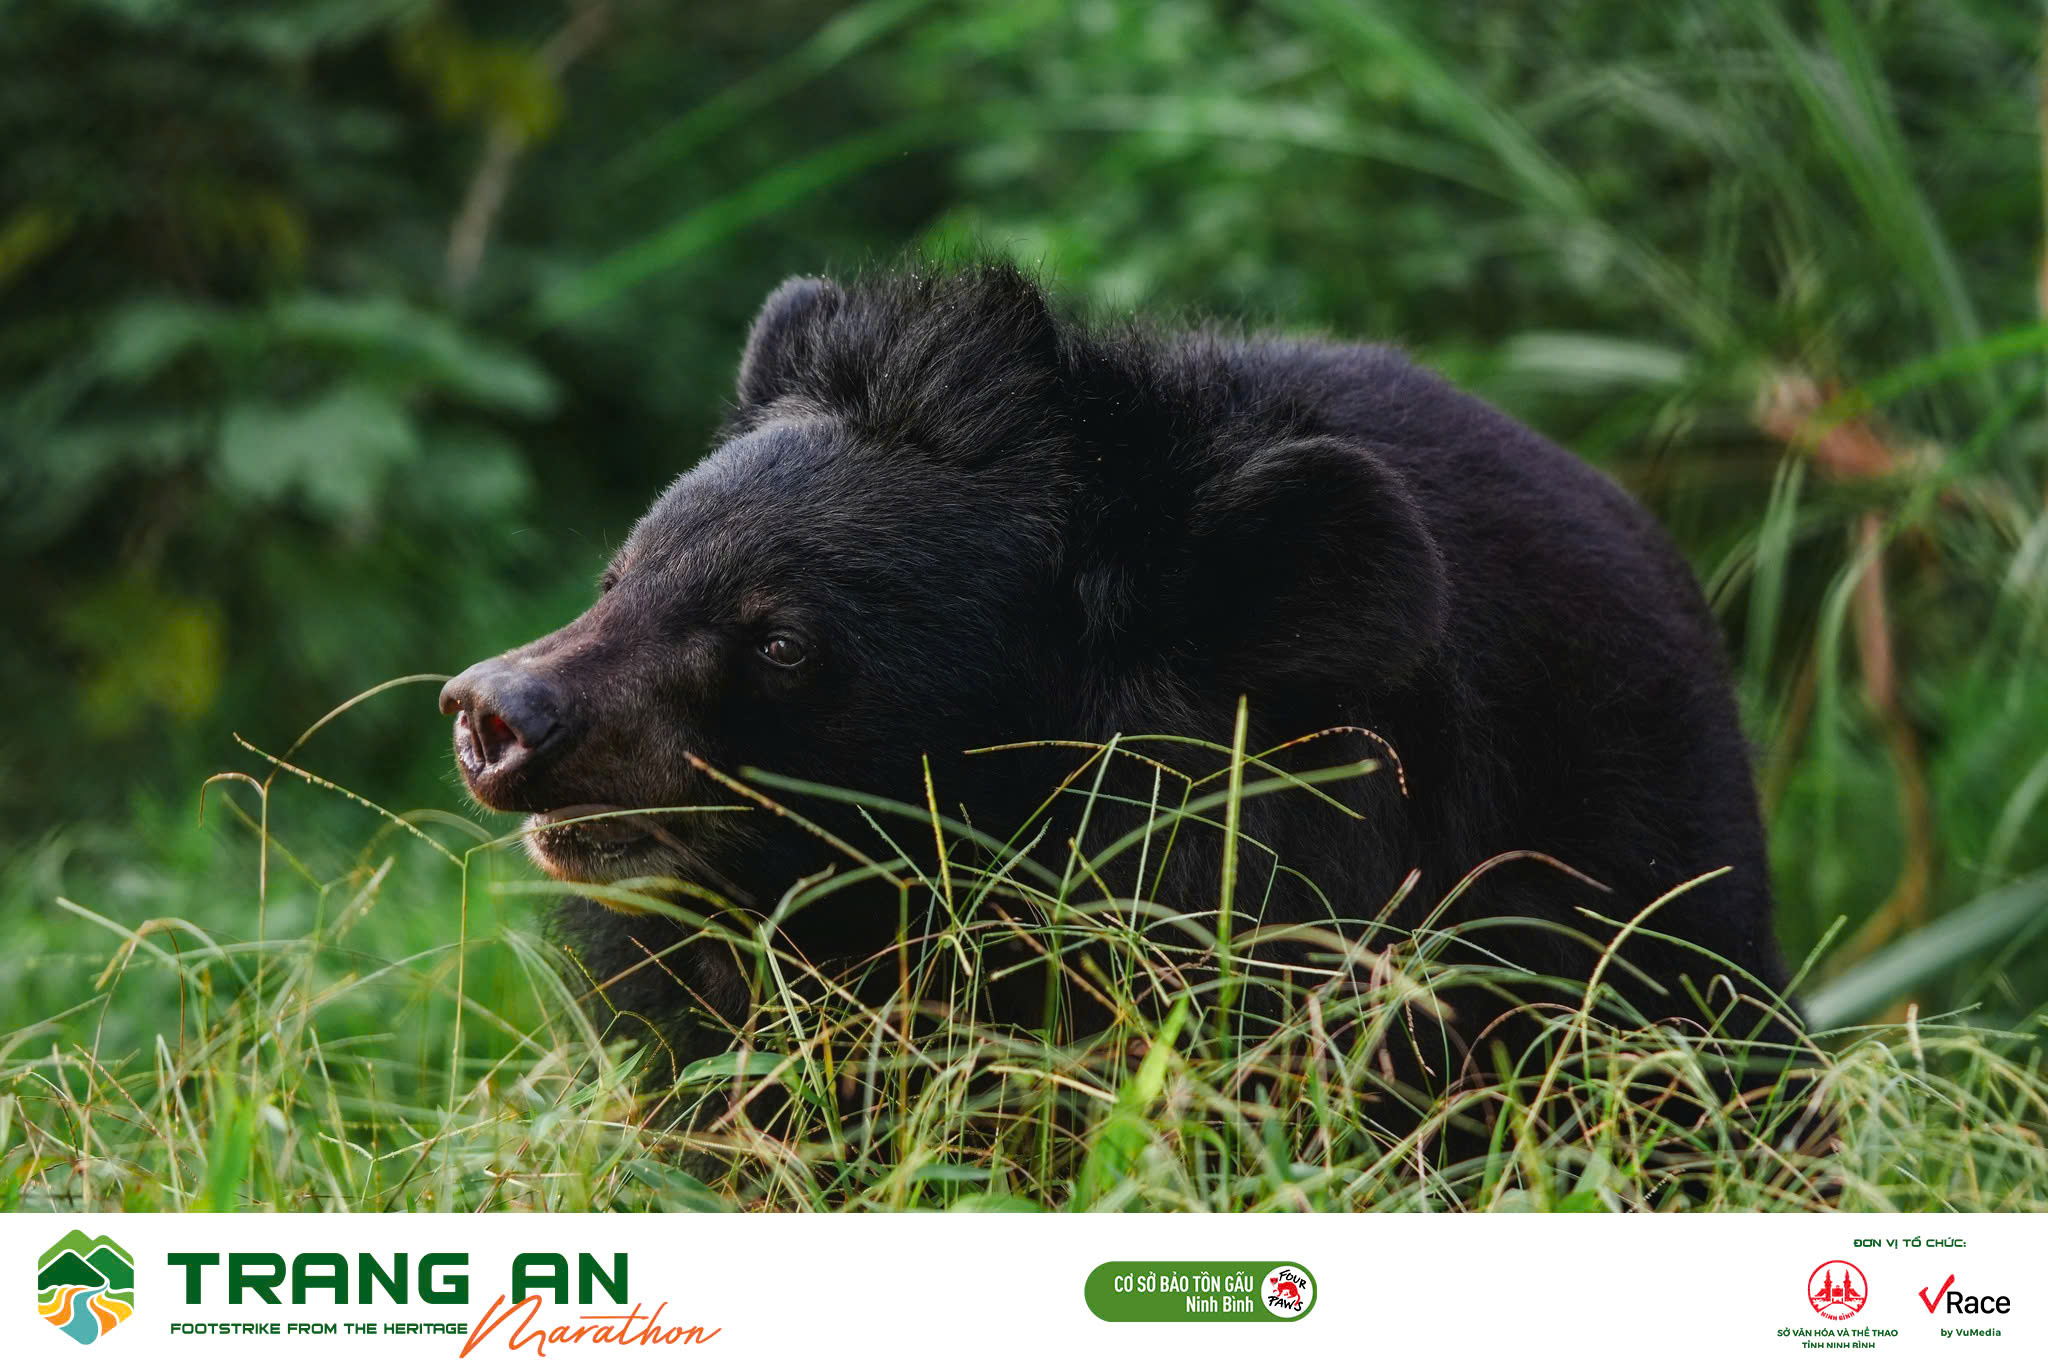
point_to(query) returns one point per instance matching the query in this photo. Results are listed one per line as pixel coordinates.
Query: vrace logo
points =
(85, 1286)
(1950, 1299)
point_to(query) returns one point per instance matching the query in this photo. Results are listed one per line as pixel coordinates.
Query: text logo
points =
(1289, 1291)
(85, 1286)
(1837, 1290)
(1955, 1301)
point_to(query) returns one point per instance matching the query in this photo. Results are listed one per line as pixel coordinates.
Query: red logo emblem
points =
(1289, 1291)
(1837, 1290)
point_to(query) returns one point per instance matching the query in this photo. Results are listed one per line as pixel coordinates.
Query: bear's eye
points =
(783, 651)
(608, 582)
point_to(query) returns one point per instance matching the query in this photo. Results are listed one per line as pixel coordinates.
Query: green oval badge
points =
(1200, 1291)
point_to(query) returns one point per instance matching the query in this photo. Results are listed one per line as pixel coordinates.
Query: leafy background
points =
(339, 339)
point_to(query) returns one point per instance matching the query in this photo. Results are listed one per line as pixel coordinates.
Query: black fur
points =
(986, 523)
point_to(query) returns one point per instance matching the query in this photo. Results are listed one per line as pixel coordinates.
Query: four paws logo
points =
(85, 1286)
(1289, 1291)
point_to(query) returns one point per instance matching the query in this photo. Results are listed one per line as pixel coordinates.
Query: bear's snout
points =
(506, 717)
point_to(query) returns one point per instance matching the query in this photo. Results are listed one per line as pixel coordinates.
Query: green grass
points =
(394, 1035)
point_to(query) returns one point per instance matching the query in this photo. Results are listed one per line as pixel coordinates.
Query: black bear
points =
(946, 518)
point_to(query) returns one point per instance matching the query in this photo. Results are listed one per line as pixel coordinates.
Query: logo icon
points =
(1837, 1290)
(1289, 1291)
(1952, 1300)
(85, 1286)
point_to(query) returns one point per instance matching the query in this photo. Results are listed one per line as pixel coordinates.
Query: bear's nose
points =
(504, 715)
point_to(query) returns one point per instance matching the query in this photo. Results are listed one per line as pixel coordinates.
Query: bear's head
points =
(942, 518)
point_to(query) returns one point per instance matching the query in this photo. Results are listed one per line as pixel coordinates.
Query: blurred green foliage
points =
(340, 338)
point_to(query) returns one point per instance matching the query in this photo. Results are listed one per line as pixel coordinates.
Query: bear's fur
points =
(971, 521)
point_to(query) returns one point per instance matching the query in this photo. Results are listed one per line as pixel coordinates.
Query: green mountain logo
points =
(85, 1286)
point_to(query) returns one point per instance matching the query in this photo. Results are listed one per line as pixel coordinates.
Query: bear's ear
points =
(784, 336)
(1310, 565)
